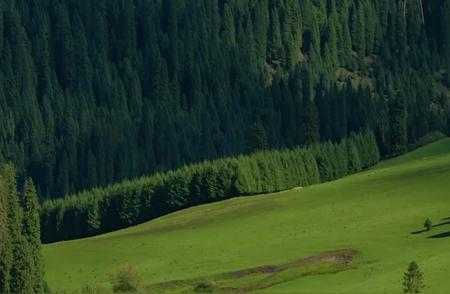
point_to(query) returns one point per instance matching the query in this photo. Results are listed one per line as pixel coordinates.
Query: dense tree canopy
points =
(132, 202)
(93, 92)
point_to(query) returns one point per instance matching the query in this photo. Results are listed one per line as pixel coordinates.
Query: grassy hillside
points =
(355, 235)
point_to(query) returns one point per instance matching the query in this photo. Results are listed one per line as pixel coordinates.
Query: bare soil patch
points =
(339, 258)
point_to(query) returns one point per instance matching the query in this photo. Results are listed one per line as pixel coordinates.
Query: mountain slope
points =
(94, 92)
(378, 214)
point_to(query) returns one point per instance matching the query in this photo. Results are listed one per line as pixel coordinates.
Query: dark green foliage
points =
(205, 287)
(20, 275)
(94, 92)
(257, 140)
(132, 202)
(413, 279)
(32, 233)
(354, 161)
(398, 124)
(428, 225)
(447, 78)
(6, 258)
(126, 280)
(21, 260)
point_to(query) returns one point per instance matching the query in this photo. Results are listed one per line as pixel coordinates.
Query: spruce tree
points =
(359, 30)
(447, 77)
(6, 258)
(354, 161)
(275, 41)
(228, 28)
(398, 124)
(257, 139)
(93, 218)
(413, 279)
(32, 234)
(21, 280)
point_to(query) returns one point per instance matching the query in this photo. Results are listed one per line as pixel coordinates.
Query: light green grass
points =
(373, 212)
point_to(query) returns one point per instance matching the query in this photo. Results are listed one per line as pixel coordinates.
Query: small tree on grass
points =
(428, 224)
(126, 280)
(413, 279)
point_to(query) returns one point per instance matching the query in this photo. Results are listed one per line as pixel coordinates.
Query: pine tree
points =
(228, 30)
(359, 30)
(275, 41)
(257, 139)
(32, 234)
(6, 258)
(447, 77)
(413, 279)
(400, 27)
(311, 121)
(398, 124)
(93, 219)
(354, 160)
(21, 280)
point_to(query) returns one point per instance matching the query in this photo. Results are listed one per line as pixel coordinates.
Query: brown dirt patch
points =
(340, 258)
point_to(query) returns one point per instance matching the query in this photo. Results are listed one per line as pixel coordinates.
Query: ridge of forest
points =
(94, 92)
(133, 202)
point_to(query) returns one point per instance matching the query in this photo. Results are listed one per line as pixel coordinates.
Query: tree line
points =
(94, 92)
(132, 202)
(21, 265)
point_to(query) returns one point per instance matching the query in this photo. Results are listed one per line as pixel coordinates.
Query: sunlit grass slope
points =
(282, 242)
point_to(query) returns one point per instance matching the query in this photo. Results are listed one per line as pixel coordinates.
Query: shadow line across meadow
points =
(436, 236)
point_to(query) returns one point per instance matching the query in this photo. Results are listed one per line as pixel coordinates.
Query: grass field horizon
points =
(354, 235)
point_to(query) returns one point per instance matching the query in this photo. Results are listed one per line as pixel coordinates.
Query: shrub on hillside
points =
(205, 287)
(126, 280)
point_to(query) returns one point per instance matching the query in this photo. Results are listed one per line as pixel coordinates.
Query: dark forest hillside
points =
(92, 92)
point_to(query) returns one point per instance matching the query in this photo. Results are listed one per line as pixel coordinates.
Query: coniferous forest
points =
(94, 92)
(116, 112)
(133, 202)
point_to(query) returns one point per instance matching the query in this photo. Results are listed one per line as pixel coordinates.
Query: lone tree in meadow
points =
(413, 279)
(428, 224)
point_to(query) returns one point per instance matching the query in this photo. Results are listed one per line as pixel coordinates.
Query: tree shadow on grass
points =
(418, 232)
(440, 236)
(442, 224)
(446, 222)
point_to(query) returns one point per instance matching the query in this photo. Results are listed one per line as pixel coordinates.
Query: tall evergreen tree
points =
(32, 234)
(20, 271)
(275, 41)
(228, 30)
(6, 258)
(257, 139)
(398, 124)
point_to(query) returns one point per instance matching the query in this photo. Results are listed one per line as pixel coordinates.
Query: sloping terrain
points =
(355, 235)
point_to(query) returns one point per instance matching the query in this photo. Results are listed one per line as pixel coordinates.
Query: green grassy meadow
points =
(354, 235)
